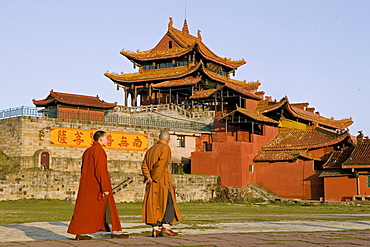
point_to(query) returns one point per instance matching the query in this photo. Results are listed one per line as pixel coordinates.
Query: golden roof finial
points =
(170, 23)
(185, 29)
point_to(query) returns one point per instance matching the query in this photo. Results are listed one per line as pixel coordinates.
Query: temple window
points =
(368, 181)
(183, 63)
(148, 67)
(222, 72)
(207, 146)
(170, 44)
(166, 65)
(180, 141)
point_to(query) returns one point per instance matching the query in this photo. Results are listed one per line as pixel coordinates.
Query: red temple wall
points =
(290, 179)
(251, 104)
(363, 189)
(231, 159)
(79, 114)
(199, 142)
(343, 188)
(339, 188)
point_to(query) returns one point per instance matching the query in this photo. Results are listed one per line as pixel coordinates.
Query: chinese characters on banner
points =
(67, 137)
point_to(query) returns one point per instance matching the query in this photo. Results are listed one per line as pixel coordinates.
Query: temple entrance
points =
(45, 160)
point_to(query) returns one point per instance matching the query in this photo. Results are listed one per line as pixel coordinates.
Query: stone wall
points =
(129, 187)
(22, 143)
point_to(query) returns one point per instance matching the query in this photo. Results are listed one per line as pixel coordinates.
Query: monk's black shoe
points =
(119, 235)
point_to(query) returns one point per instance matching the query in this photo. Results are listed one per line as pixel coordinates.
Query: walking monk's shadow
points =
(38, 233)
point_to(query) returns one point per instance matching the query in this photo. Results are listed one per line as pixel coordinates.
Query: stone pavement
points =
(275, 233)
(300, 239)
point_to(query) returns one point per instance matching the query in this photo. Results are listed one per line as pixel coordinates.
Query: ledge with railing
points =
(183, 125)
(20, 111)
(139, 121)
(194, 112)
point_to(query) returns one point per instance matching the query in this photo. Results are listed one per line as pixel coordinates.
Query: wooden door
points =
(45, 160)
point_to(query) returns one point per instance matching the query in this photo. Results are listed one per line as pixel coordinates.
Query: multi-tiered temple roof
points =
(181, 68)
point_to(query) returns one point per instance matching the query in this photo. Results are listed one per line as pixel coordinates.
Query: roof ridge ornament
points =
(185, 28)
(199, 36)
(170, 23)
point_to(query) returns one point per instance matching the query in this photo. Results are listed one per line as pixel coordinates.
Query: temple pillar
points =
(222, 102)
(150, 93)
(135, 95)
(126, 96)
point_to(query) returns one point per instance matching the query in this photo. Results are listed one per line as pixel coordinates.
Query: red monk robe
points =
(90, 210)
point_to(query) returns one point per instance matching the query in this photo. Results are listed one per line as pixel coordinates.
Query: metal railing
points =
(159, 123)
(139, 121)
(20, 111)
(194, 112)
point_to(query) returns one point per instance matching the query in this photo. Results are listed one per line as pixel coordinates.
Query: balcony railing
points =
(20, 111)
(159, 123)
(138, 121)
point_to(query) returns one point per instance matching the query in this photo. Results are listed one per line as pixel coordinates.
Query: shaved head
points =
(164, 136)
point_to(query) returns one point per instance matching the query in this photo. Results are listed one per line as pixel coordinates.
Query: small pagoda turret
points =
(182, 70)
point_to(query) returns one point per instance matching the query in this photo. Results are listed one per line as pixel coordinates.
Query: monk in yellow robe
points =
(95, 209)
(159, 206)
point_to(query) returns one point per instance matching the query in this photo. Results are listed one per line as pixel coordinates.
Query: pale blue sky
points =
(311, 51)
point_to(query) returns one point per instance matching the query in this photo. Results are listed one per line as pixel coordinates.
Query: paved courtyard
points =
(275, 233)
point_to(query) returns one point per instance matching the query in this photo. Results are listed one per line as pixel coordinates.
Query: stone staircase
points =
(264, 193)
(252, 191)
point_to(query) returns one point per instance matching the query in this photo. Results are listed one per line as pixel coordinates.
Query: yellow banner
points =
(67, 137)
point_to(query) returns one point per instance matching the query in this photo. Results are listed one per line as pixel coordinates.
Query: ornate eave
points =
(233, 84)
(208, 54)
(309, 116)
(336, 159)
(359, 158)
(203, 93)
(335, 173)
(152, 75)
(188, 81)
(187, 43)
(265, 107)
(280, 156)
(152, 54)
(73, 99)
(304, 140)
(303, 114)
(183, 38)
(255, 115)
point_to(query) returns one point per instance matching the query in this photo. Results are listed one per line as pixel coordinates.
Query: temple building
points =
(74, 106)
(182, 70)
(279, 145)
(225, 132)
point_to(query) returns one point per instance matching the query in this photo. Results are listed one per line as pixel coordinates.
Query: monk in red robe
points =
(95, 209)
(159, 206)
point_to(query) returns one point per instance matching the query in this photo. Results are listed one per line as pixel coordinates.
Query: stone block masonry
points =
(129, 187)
(22, 141)
(25, 138)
